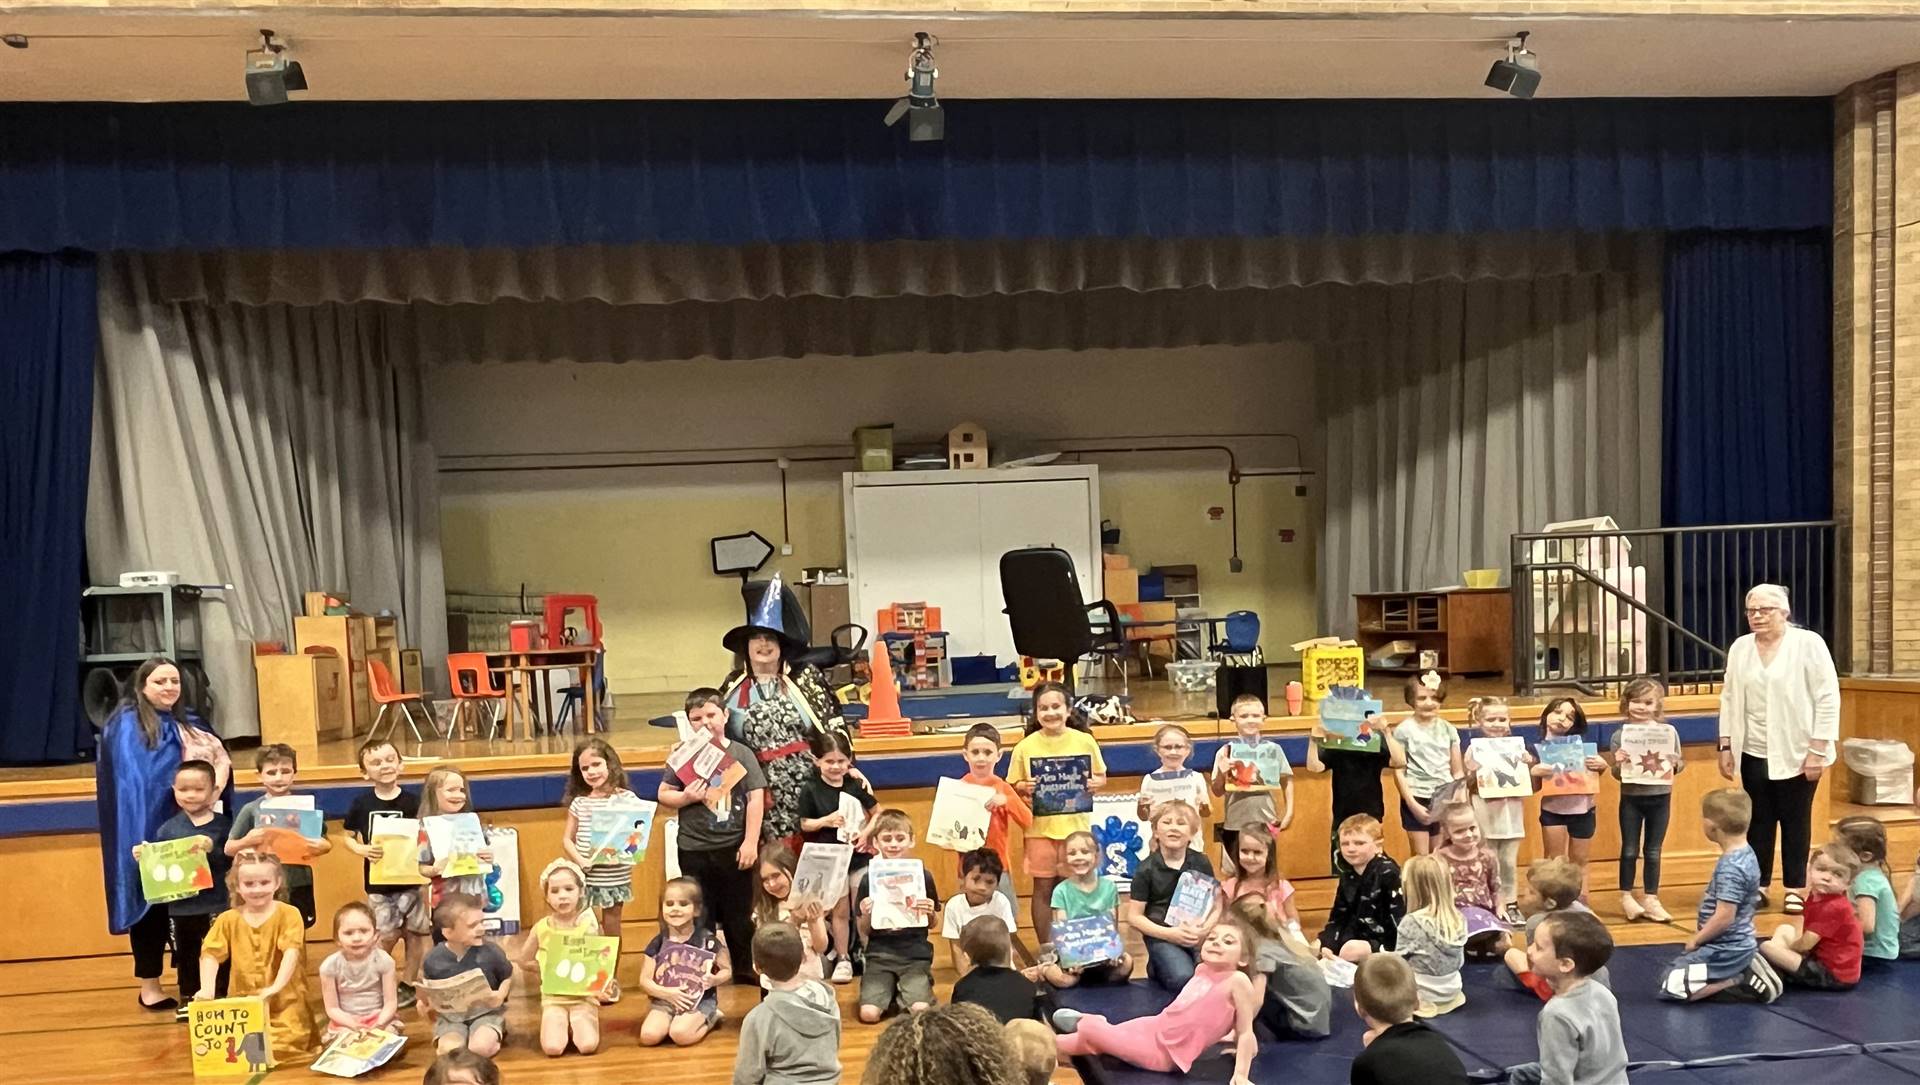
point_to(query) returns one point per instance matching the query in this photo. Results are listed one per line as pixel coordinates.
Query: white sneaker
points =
(843, 971)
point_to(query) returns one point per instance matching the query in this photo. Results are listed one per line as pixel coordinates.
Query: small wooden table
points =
(518, 668)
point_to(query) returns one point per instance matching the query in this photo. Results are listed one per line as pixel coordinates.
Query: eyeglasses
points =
(1754, 612)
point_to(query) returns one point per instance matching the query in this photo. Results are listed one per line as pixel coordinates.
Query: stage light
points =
(270, 74)
(920, 107)
(1519, 74)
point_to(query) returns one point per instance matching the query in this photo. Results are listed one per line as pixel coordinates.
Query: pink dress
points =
(1172, 1038)
(1277, 896)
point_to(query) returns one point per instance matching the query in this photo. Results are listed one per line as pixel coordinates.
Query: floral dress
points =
(776, 719)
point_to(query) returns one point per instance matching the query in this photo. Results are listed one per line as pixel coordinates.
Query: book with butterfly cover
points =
(1087, 941)
(1062, 785)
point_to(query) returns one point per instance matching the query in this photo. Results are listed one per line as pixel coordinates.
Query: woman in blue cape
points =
(140, 747)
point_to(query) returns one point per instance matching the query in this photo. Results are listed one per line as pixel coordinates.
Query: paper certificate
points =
(960, 817)
(820, 877)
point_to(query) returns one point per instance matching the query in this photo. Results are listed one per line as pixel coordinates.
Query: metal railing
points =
(1593, 610)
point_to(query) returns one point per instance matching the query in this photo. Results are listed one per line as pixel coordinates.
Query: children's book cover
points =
(1193, 897)
(1649, 753)
(398, 839)
(1567, 757)
(228, 1036)
(292, 825)
(959, 819)
(455, 994)
(173, 870)
(1062, 785)
(1255, 766)
(1349, 720)
(355, 1053)
(576, 964)
(457, 840)
(820, 877)
(894, 885)
(1082, 942)
(1503, 771)
(618, 835)
(683, 966)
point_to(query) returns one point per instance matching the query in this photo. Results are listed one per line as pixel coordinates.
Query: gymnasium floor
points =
(75, 1021)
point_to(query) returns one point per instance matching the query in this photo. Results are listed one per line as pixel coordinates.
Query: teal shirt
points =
(1067, 897)
(1883, 941)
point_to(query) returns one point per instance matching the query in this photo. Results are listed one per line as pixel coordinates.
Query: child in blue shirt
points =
(1722, 959)
(193, 792)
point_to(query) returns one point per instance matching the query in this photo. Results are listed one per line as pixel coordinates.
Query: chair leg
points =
(499, 707)
(378, 719)
(413, 724)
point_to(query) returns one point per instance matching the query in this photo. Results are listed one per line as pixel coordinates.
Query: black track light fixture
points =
(271, 74)
(1519, 73)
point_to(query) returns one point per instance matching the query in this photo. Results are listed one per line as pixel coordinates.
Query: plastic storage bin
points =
(1192, 675)
(1882, 770)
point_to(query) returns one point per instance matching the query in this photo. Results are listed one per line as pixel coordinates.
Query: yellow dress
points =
(584, 923)
(254, 955)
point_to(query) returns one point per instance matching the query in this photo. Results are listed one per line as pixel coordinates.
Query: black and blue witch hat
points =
(766, 616)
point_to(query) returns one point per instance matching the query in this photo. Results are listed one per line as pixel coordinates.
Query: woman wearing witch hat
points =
(775, 706)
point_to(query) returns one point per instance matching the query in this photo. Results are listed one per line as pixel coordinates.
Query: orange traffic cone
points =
(883, 704)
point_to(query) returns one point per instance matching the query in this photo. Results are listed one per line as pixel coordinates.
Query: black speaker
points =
(1510, 78)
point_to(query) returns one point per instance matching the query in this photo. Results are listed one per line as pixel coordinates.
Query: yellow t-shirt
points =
(1040, 744)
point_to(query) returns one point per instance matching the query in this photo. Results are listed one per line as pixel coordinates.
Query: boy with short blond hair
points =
(277, 764)
(483, 1027)
(1722, 959)
(899, 962)
(1250, 809)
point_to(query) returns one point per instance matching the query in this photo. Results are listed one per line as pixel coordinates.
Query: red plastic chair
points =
(472, 682)
(557, 607)
(386, 695)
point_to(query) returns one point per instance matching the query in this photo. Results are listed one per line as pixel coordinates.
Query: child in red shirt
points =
(1825, 955)
(982, 751)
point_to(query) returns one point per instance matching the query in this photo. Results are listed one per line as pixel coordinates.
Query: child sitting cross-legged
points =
(793, 1036)
(1722, 958)
(1551, 885)
(1823, 953)
(1010, 995)
(1579, 1028)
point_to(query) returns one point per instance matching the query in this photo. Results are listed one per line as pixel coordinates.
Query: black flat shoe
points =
(160, 1006)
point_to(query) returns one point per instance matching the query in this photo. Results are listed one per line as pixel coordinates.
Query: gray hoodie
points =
(791, 1038)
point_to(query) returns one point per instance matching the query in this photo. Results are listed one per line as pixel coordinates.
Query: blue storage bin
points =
(1153, 587)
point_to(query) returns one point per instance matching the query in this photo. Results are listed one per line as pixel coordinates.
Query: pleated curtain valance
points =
(102, 177)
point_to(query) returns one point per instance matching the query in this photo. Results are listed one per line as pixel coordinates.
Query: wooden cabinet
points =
(303, 699)
(1470, 629)
(349, 636)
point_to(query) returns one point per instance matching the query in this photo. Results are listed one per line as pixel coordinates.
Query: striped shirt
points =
(605, 875)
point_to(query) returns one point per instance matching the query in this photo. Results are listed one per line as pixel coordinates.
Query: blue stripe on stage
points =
(31, 818)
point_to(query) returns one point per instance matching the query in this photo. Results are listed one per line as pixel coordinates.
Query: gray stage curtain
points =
(666, 274)
(275, 448)
(1481, 409)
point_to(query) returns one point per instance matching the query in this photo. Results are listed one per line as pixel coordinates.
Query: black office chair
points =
(1047, 615)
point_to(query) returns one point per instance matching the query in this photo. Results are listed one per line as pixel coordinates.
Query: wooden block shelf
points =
(1470, 629)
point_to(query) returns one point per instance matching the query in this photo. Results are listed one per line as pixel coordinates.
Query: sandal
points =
(1794, 904)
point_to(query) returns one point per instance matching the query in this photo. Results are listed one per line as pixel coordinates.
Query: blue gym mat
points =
(1884, 1008)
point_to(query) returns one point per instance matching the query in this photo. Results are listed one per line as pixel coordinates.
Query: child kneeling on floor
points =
(1579, 1028)
(1722, 959)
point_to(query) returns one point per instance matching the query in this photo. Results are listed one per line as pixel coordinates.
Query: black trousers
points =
(189, 934)
(1782, 806)
(156, 932)
(150, 935)
(727, 892)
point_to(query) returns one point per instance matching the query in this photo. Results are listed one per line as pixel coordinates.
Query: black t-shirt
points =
(1356, 781)
(359, 822)
(1008, 994)
(908, 943)
(819, 799)
(1153, 881)
(1408, 1054)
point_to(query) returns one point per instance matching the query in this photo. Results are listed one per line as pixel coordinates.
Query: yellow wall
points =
(638, 538)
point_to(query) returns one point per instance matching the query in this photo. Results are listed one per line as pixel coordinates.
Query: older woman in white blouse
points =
(1779, 723)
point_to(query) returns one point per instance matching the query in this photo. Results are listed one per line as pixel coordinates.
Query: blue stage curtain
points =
(106, 177)
(48, 334)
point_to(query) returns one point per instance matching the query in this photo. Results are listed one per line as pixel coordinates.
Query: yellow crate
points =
(1323, 667)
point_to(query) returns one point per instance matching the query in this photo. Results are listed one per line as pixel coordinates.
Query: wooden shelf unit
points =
(1471, 629)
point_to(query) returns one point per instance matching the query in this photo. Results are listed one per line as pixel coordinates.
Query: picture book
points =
(457, 840)
(1078, 943)
(854, 816)
(1339, 972)
(1062, 785)
(292, 826)
(894, 884)
(173, 870)
(1568, 759)
(820, 877)
(1193, 897)
(959, 819)
(455, 994)
(1649, 753)
(1349, 720)
(354, 1053)
(683, 966)
(1255, 766)
(228, 1036)
(1159, 787)
(618, 835)
(575, 963)
(398, 839)
(1480, 921)
(1121, 835)
(1503, 771)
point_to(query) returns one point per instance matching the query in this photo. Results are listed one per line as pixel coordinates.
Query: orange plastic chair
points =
(387, 696)
(472, 682)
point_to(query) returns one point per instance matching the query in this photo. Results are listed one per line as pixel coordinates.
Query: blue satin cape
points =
(133, 790)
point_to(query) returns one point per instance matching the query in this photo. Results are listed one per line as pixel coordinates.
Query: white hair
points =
(1772, 594)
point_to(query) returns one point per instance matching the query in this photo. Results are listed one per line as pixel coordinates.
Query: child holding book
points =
(1426, 758)
(981, 749)
(563, 1018)
(1081, 894)
(1248, 804)
(1566, 821)
(772, 903)
(1172, 941)
(397, 912)
(1367, 903)
(1173, 779)
(1049, 736)
(1503, 819)
(833, 810)
(278, 764)
(198, 821)
(481, 1027)
(596, 781)
(980, 872)
(793, 1036)
(1646, 805)
(358, 986)
(899, 960)
(264, 944)
(1578, 1033)
(1823, 952)
(1432, 936)
(445, 792)
(1217, 1000)
(1256, 873)
(719, 844)
(1472, 870)
(1723, 958)
(680, 969)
